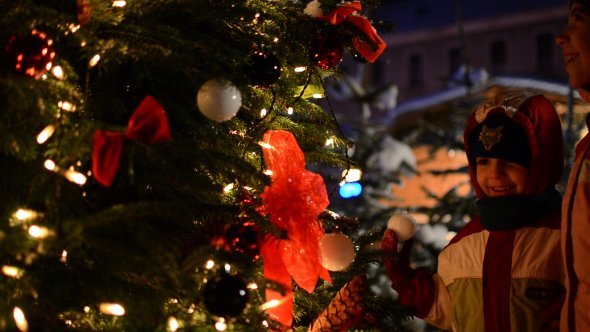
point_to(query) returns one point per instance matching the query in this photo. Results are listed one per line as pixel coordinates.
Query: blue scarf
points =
(515, 211)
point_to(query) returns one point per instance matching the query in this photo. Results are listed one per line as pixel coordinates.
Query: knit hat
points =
(499, 137)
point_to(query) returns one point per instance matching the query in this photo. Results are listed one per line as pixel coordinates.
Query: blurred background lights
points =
(350, 190)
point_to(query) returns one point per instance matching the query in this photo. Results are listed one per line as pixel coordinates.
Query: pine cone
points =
(346, 309)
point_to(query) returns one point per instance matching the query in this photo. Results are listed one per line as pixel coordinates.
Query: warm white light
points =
(73, 27)
(252, 285)
(64, 257)
(210, 264)
(300, 69)
(19, 319)
(86, 309)
(270, 304)
(119, 3)
(94, 60)
(276, 39)
(58, 72)
(329, 142)
(172, 324)
(76, 177)
(268, 172)
(265, 145)
(289, 110)
(264, 323)
(317, 96)
(50, 165)
(12, 271)
(114, 309)
(39, 232)
(45, 134)
(66, 106)
(263, 112)
(220, 325)
(227, 267)
(24, 214)
(352, 175)
(228, 188)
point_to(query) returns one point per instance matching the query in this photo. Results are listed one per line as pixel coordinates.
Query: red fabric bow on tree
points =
(345, 13)
(294, 200)
(148, 124)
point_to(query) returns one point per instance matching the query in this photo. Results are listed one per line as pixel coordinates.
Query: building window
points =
(498, 56)
(545, 45)
(455, 60)
(416, 70)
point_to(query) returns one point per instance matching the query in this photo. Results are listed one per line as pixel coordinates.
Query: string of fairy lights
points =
(28, 219)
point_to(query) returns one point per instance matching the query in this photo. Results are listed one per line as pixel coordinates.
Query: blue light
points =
(351, 189)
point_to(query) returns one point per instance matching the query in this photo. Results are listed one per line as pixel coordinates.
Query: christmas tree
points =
(155, 162)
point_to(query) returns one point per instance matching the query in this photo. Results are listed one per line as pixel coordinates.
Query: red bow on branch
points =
(148, 124)
(294, 200)
(346, 13)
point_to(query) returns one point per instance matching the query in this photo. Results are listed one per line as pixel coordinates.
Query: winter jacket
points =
(508, 277)
(575, 241)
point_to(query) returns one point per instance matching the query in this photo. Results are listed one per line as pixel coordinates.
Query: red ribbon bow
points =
(346, 14)
(294, 200)
(148, 124)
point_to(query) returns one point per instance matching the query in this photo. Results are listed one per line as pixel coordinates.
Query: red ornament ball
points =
(326, 51)
(244, 238)
(32, 54)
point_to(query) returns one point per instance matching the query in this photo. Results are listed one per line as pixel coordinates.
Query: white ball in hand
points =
(336, 252)
(219, 100)
(403, 224)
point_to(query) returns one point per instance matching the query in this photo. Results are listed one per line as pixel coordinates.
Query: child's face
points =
(575, 44)
(499, 177)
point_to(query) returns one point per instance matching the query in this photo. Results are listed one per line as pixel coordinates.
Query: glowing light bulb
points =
(45, 134)
(352, 175)
(227, 267)
(94, 60)
(329, 142)
(25, 214)
(268, 172)
(12, 271)
(50, 165)
(228, 188)
(113, 309)
(173, 324)
(210, 264)
(300, 69)
(317, 96)
(290, 110)
(263, 112)
(20, 319)
(66, 106)
(119, 3)
(270, 304)
(75, 177)
(265, 145)
(64, 257)
(220, 325)
(39, 232)
(58, 72)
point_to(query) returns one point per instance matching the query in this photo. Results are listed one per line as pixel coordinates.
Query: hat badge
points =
(490, 136)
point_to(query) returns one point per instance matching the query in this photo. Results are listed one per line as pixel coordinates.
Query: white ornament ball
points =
(219, 100)
(403, 224)
(313, 9)
(336, 252)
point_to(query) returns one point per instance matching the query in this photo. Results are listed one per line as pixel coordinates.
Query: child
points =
(503, 271)
(575, 243)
